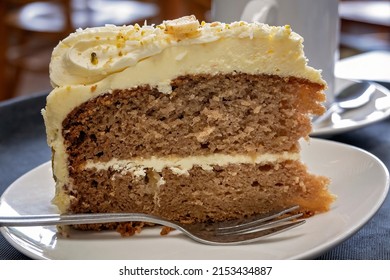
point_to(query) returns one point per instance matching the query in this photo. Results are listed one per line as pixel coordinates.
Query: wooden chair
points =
(31, 29)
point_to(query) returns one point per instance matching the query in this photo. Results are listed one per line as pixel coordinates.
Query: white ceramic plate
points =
(359, 180)
(376, 110)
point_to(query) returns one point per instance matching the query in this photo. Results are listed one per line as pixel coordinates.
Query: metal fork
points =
(238, 231)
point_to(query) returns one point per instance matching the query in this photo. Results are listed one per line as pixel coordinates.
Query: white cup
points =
(317, 21)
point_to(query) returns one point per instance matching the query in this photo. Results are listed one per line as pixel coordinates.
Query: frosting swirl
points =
(88, 56)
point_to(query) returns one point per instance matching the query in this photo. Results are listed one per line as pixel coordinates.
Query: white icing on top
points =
(90, 55)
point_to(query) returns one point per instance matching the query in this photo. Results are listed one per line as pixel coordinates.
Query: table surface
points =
(23, 147)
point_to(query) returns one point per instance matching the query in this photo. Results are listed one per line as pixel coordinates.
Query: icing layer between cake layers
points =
(182, 165)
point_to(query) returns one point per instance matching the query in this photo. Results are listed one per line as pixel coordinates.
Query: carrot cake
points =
(185, 120)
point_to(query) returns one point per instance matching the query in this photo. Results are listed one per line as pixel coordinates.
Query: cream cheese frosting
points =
(181, 166)
(91, 55)
(95, 61)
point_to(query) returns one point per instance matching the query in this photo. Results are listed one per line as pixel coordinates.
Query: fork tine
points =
(256, 235)
(255, 220)
(256, 225)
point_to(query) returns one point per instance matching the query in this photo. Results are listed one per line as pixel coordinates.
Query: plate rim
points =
(17, 242)
(330, 130)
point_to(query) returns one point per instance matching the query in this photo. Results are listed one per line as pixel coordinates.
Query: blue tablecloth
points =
(23, 147)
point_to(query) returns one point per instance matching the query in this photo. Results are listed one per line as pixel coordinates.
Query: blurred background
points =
(31, 29)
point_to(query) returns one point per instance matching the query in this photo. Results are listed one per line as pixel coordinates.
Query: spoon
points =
(352, 97)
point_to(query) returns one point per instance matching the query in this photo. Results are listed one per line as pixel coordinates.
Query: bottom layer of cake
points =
(225, 192)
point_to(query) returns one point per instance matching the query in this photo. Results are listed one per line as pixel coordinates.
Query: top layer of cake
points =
(98, 60)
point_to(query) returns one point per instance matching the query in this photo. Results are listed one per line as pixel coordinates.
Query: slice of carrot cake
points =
(185, 120)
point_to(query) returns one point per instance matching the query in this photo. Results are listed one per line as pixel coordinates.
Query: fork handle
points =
(75, 219)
